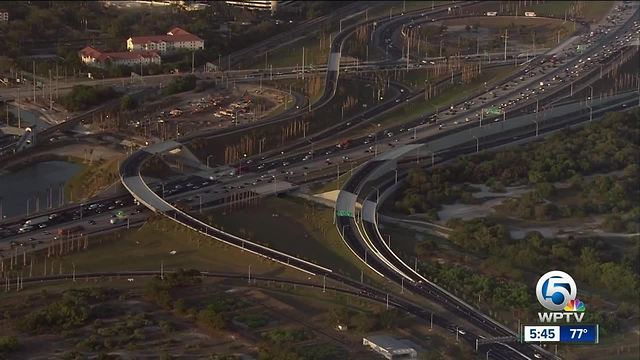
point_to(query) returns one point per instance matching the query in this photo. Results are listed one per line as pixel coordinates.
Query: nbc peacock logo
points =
(575, 305)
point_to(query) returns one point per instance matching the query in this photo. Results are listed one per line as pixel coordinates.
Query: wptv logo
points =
(557, 292)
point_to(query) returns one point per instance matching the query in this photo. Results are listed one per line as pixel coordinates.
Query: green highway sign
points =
(493, 110)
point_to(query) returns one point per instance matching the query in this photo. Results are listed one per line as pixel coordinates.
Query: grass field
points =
(522, 31)
(316, 50)
(592, 11)
(91, 178)
(294, 226)
(149, 246)
(398, 7)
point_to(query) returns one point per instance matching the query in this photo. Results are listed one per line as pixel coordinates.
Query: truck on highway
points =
(70, 230)
(37, 221)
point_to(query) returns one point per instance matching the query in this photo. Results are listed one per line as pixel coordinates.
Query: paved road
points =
(361, 234)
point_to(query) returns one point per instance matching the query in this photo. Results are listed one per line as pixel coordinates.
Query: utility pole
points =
(50, 91)
(408, 45)
(506, 35)
(303, 63)
(18, 103)
(57, 83)
(34, 79)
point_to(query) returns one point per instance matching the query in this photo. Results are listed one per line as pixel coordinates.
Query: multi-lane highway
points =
(360, 232)
(397, 271)
(268, 164)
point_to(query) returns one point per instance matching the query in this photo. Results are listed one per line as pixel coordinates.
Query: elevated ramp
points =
(12, 130)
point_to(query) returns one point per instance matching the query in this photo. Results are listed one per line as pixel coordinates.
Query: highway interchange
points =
(513, 95)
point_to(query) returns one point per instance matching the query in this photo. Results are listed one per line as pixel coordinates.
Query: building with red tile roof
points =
(175, 39)
(97, 58)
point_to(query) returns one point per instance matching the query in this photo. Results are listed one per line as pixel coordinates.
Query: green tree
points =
(8, 344)
(210, 318)
(127, 103)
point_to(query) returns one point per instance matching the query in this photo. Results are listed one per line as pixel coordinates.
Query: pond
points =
(29, 118)
(35, 186)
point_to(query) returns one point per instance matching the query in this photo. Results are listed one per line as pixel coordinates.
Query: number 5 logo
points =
(555, 289)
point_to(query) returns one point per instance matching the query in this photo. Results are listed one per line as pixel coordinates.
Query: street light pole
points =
(571, 89)
(506, 36)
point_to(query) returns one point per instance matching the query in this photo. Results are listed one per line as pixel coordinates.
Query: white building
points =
(264, 5)
(4, 15)
(175, 39)
(390, 348)
(97, 58)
